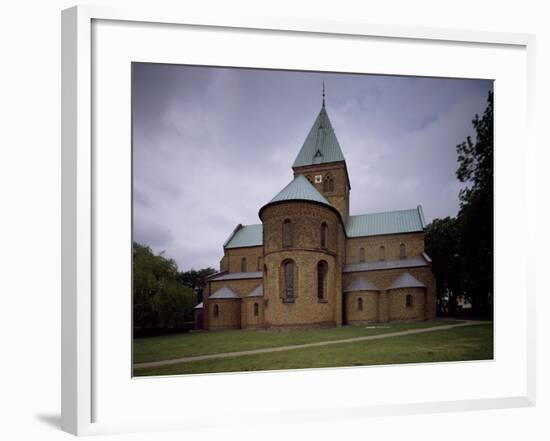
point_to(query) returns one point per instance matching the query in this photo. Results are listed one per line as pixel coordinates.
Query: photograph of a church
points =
(287, 219)
(312, 262)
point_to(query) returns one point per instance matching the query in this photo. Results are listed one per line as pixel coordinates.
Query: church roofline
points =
(386, 222)
(301, 190)
(304, 200)
(237, 228)
(245, 236)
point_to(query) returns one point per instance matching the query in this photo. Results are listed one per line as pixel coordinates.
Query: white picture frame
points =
(79, 202)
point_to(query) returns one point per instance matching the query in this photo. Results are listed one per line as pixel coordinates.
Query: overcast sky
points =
(212, 145)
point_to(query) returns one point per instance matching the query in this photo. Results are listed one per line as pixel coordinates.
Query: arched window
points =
(322, 267)
(382, 253)
(256, 309)
(288, 280)
(328, 185)
(402, 251)
(360, 304)
(287, 234)
(409, 301)
(216, 310)
(361, 254)
(260, 263)
(243, 265)
(324, 235)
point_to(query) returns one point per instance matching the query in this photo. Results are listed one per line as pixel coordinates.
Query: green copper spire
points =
(321, 145)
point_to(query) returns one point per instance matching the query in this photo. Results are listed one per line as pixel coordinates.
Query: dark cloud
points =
(155, 235)
(211, 145)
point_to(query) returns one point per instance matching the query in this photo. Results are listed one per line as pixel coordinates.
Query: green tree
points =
(462, 248)
(196, 279)
(443, 246)
(160, 301)
(476, 215)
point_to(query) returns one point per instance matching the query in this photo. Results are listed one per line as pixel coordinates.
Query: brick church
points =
(311, 263)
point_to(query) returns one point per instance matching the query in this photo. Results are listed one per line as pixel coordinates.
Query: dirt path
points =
(302, 346)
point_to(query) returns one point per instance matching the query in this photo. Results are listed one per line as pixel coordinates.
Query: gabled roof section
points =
(257, 292)
(321, 145)
(245, 236)
(389, 222)
(405, 280)
(361, 283)
(225, 293)
(300, 189)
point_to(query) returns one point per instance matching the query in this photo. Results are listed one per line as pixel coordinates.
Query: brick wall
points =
(229, 314)
(248, 318)
(398, 309)
(306, 309)
(389, 307)
(339, 197)
(233, 256)
(368, 314)
(306, 253)
(414, 245)
(242, 287)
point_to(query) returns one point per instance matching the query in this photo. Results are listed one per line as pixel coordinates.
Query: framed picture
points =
(213, 248)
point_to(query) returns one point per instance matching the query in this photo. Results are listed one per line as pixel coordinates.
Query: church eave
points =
(306, 201)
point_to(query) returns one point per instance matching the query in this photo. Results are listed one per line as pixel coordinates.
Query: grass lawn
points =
(214, 342)
(463, 343)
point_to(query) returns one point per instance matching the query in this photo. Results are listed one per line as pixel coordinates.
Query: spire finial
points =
(323, 94)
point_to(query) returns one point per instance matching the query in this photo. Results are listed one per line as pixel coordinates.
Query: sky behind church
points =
(212, 145)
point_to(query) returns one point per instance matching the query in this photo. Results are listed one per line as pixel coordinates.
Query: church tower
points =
(322, 162)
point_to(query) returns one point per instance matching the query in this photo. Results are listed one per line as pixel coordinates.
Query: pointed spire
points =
(321, 145)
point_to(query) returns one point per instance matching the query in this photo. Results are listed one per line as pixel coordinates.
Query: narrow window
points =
(287, 234)
(402, 251)
(409, 301)
(288, 268)
(324, 235)
(382, 253)
(321, 279)
(360, 304)
(216, 311)
(259, 263)
(256, 309)
(328, 184)
(243, 265)
(361, 254)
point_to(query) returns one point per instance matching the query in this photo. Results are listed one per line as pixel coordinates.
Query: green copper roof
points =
(405, 280)
(224, 293)
(321, 145)
(300, 189)
(257, 292)
(245, 236)
(390, 222)
(361, 283)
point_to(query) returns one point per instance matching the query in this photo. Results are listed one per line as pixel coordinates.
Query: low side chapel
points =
(310, 263)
